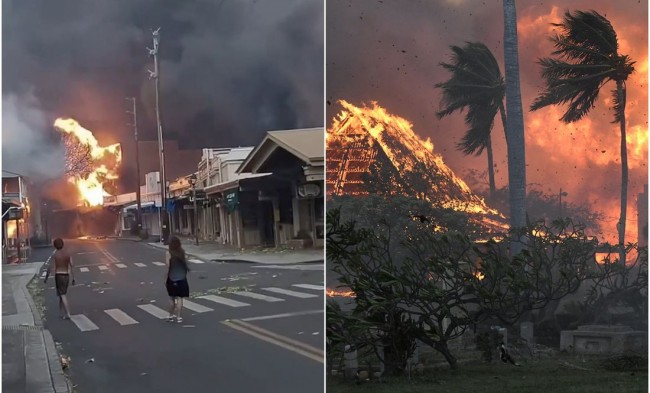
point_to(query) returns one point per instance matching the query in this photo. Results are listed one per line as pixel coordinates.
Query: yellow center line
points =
(276, 339)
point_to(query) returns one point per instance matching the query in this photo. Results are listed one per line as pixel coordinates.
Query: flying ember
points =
(89, 166)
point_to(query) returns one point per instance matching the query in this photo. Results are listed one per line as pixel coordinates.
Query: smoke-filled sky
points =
(389, 51)
(230, 70)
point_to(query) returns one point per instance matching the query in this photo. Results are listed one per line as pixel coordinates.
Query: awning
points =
(146, 207)
(234, 184)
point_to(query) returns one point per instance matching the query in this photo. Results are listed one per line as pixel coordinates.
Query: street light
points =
(196, 213)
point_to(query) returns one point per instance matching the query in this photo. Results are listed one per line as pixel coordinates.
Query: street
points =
(246, 328)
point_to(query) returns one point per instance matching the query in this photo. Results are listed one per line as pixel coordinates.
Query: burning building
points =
(369, 140)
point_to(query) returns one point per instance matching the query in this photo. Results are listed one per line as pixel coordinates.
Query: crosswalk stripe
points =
(158, 263)
(155, 311)
(259, 296)
(83, 323)
(223, 300)
(120, 316)
(310, 286)
(287, 292)
(195, 261)
(103, 267)
(84, 269)
(140, 264)
(120, 265)
(196, 307)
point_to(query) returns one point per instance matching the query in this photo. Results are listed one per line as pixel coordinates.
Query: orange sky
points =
(389, 51)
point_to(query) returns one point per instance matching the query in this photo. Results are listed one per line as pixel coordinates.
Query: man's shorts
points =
(61, 281)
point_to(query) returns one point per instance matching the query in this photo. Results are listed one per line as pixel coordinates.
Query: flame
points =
(11, 228)
(335, 293)
(406, 152)
(90, 181)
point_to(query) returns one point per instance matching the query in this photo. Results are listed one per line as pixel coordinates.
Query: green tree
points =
(476, 84)
(586, 58)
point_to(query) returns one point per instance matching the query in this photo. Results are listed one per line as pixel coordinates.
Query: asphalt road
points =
(266, 338)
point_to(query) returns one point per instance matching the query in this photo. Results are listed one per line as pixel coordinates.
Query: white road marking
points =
(155, 311)
(259, 296)
(285, 315)
(120, 265)
(308, 266)
(287, 292)
(195, 261)
(102, 267)
(310, 286)
(196, 307)
(120, 316)
(83, 323)
(84, 269)
(223, 300)
(158, 263)
(138, 264)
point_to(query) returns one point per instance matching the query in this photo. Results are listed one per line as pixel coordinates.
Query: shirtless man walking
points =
(62, 268)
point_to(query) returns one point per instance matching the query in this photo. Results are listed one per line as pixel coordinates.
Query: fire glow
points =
(358, 136)
(102, 162)
(335, 293)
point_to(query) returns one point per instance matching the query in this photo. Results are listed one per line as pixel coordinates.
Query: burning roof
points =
(365, 139)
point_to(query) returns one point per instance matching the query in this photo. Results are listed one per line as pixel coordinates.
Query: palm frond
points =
(587, 58)
(476, 86)
(589, 29)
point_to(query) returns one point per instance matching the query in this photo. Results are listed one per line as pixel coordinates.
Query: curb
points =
(230, 260)
(57, 376)
(125, 239)
(315, 261)
(59, 381)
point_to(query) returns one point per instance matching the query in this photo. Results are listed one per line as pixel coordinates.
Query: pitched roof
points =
(306, 144)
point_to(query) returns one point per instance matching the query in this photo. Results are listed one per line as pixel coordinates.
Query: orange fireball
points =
(102, 162)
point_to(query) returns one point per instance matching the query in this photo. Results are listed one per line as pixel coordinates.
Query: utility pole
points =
(155, 74)
(138, 217)
(196, 212)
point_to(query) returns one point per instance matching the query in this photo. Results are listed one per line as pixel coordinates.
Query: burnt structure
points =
(371, 151)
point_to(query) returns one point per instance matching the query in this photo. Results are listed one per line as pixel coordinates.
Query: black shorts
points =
(61, 280)
(178, 288)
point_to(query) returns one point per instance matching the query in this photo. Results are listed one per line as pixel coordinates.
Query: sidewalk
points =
(30, 362)
(211, 251)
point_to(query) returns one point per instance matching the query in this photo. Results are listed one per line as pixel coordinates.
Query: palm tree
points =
(476, 84)
(587, 58)
(515, 123)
